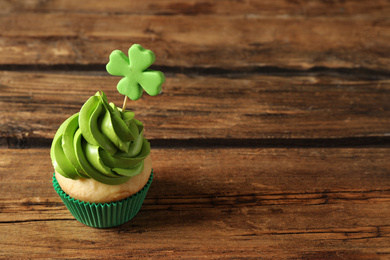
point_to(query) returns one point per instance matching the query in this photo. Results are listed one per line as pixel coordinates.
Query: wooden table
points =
(271, 138)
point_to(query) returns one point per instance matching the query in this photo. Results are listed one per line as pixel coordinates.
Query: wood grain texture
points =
(196, 7)
(209, 205)
(311, 106)
(221, 41)
(270, 139)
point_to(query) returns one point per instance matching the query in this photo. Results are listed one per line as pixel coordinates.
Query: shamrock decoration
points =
(135, 72)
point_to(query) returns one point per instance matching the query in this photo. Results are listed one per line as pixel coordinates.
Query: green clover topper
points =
(135, 72)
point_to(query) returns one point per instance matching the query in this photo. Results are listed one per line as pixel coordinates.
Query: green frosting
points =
(100, 142)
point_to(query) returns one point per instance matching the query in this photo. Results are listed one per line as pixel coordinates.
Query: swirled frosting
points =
(100, 142)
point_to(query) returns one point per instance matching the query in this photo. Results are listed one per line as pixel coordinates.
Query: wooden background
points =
(271, 138)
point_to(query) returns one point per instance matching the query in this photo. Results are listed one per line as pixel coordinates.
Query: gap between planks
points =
(238, 72)
(221, 143)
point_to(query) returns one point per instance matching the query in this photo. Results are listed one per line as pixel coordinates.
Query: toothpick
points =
(124, 104)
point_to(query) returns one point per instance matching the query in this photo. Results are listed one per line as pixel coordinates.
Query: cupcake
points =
(101, 159)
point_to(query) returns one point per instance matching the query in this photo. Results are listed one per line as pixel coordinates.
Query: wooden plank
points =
(197, 7)
(229, 42)
(328, 175)
(256, 107)
(297, 203)
(174, 234)
(69, 239)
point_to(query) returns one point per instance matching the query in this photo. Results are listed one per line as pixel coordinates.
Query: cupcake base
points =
(104, 215)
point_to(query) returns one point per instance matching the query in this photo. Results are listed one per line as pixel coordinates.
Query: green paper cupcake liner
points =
(104, 215)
